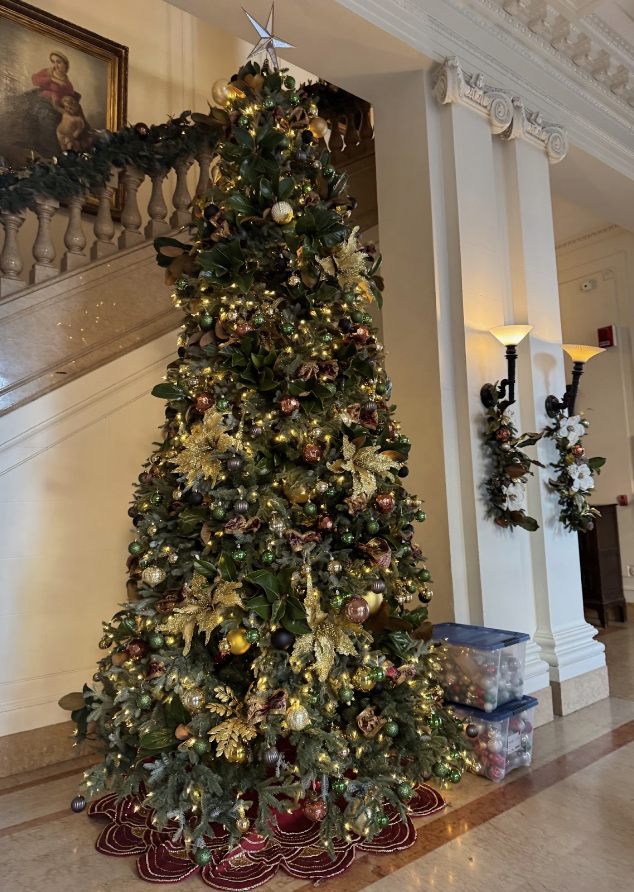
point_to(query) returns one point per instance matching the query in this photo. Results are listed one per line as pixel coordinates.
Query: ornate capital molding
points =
(508, 116)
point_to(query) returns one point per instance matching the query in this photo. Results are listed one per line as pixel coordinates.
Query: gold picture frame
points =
(59, 83)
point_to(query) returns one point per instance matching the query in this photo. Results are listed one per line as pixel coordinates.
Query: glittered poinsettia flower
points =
(571, 429)
(348, 263)
(515, 494)
(204, 609)
(325, 639)
(365, 463)
(199, 455)
(582, 479)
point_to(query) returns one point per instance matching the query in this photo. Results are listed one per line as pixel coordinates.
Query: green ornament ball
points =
(381, 819)
(143, 563)
(182, 285)
(258, 321)
(289, 82)
(347, 538)
(406, 550)
(219, 513)
(144, 701)
(238, 555)
(201, 747)
(346, 695)
(326, 337)
(287, 328)
(331, 492)
(425, 575)
(434, 721)
(206, 322)
(373, 526)
(307, 187)
(267, 557)
(337, 601)
(381, 388)
(412, 588)
(455, 775)
(357, 316)
(293, 98)
(350, 298)
(243, 121)
(156, 498)
(339, 785)
(156, 640)
(404, 791)
(314, 699)
(420, 516)
(252, 636)
(391, 729)
(378, 673)
(329, 171)
(135, 547)
(403, 440)
(310, 509)
(269, 103)
(202, 857)
(222, 405)
(367, 318)
(439, 769)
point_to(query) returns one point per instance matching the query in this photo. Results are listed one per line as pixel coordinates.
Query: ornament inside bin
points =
(481, 667)
(503, 739)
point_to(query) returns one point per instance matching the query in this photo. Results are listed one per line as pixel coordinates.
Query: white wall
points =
(67, 462)
(606, 392)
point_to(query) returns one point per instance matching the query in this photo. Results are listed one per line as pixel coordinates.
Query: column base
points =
(180, 218)
(571, 652)
(544, 712)
(580, 691)
(10, 286)
(128, 239)
(156, 228)
(42, 273)
(102, 249)
(72, 262)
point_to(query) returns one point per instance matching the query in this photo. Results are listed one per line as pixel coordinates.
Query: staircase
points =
(59, 321)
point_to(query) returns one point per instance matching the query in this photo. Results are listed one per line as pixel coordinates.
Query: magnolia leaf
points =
(73, 701)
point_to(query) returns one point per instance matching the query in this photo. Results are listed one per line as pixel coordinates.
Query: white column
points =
(577, 661)
(492, 570)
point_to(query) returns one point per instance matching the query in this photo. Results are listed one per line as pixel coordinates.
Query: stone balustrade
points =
(109, 236)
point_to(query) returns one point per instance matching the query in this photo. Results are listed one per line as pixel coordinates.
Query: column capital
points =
(508, 116)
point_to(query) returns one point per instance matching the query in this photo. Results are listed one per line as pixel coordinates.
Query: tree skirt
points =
(253, 861)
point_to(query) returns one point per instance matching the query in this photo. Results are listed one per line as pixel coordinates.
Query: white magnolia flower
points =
(571, 429)
(515, 496)
(581, 477)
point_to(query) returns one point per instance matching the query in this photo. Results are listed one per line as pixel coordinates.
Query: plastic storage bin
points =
(503, 739)
(481, 667)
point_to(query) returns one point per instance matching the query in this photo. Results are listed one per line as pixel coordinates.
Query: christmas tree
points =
(267, 659)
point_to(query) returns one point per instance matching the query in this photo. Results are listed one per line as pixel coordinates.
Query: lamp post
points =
(580, 354)
(510, 336)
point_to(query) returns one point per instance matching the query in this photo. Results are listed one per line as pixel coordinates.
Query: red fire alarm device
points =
(607, 336)
(622, 501)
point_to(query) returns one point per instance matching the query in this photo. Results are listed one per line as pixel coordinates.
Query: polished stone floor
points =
(564, 825)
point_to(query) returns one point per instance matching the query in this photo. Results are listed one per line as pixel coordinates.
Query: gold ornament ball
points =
(297, 493)
(224, 647)
(318, 127)
(374, 599)
(238, 643)
(363, 680)
(153, 576)
(237, 754)
(221, 92)
(297, 718)
(243, 824)
(282, 212)
(193, 700)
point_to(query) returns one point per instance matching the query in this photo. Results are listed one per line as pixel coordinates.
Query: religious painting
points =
(59, 84)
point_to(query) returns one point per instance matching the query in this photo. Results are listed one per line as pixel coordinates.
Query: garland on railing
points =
(575, 477)
(153, 149)
(506, 485)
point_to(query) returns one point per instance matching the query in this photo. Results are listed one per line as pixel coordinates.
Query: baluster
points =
(157, 209)
(351, 136)
(182, 215)
(335, 144)
(104, 229)
(204, 162)
(366, 131)
(74, 237)
(10, 260)
(43, 247)
(131, 218)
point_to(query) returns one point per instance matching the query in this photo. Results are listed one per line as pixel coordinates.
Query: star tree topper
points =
(267, 43)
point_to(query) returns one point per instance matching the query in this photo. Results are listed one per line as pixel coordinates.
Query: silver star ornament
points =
(267, 43)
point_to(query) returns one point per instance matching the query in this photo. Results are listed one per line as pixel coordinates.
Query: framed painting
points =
(58, 84)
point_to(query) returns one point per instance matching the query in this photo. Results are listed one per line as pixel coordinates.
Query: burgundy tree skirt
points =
(253, 861)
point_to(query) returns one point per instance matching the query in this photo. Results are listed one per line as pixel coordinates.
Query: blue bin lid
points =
(513, 707)
(477, 636)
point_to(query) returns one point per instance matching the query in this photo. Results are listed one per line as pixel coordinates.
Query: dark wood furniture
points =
(601, 577)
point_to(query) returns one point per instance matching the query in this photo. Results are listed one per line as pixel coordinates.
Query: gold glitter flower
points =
(203, 610)
(206, 438)
(365, 463)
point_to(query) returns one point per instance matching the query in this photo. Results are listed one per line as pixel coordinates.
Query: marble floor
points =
(563, 825)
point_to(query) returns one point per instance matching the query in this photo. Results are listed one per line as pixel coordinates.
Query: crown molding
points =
(585, 237)
(508, 116)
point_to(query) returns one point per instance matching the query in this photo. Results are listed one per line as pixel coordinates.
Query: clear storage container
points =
(502, 739)
(481, 667)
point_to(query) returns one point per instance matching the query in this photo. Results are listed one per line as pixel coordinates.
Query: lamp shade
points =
(581, 352)
(510, 335)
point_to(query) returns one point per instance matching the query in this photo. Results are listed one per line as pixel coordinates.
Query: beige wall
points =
(606, 392)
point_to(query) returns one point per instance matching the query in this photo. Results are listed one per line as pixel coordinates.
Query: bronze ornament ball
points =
(136, 649)
(289, 404)
(384, 503)
(315, 809)
(357, 610)
(325, 524)
(234, 463)
(312, 453)
(204, 401)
